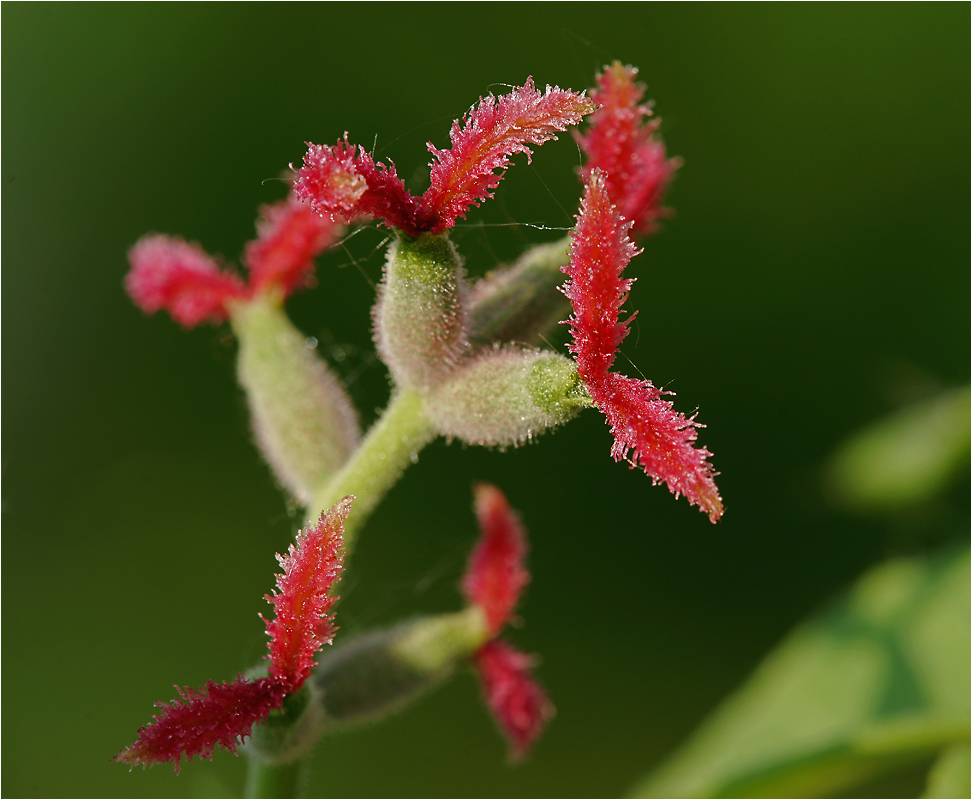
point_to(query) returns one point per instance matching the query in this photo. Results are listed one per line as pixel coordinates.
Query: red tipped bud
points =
(224, 713)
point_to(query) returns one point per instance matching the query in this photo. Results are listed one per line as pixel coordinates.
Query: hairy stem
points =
(392, 444)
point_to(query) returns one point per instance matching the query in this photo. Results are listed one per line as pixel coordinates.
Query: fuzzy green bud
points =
(506, 397)
(520, 302)
(419, 316)
(302, 418)
(378, 673)
(367, 678)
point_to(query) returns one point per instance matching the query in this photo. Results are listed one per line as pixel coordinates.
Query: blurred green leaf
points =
(881, 679)
(905, 458)
(952, 774)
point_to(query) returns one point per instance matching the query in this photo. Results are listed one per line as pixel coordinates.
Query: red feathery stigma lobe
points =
(621, 142)
(496, 576)
(517, 701)
(168, 272)
(600, 250)
(484, 141)
(661, 439)
(301, 625)
(289, 236)
(224, 713)
(342, 182)
(221, 713)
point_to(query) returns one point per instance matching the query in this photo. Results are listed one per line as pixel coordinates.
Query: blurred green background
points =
(815, 278)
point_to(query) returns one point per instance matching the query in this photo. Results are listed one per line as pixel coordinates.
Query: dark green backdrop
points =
(815, 277)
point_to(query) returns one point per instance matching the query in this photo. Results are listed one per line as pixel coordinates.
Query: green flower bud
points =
(378, 673)
(419, 315)
(303, 420)
(520, 302)
(506, 397)
(369, 677)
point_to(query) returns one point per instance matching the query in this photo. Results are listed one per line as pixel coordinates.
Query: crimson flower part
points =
(220, 713)
(169, 273)
(224, 713)
(484, 140)
(621, 142)
(495, 576)
(302, 625)
(648, 432)
(518, 702)
(289, 236)
(342, 182)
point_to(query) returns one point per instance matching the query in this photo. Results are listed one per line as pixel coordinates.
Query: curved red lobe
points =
(483, 141)
(168, 272)
(621, 142)
(289, 236)
(192, 725)
(517, 701)
(496, 576)
(648, 432)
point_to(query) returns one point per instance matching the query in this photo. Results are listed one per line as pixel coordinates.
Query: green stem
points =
(272, 780)
(392, 444)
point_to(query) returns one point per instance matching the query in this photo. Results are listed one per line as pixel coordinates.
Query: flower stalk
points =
(391, 445)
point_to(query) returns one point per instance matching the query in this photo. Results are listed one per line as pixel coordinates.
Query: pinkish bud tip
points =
(496, 576)
(517, 701)
(660, 439)
(289, 236)
(621, 142)
(168, 272)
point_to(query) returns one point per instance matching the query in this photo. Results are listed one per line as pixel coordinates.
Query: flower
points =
(169, 273)
(621, 142)
(494, 579)
(343, 183)
(224, 713)
(645, 426)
